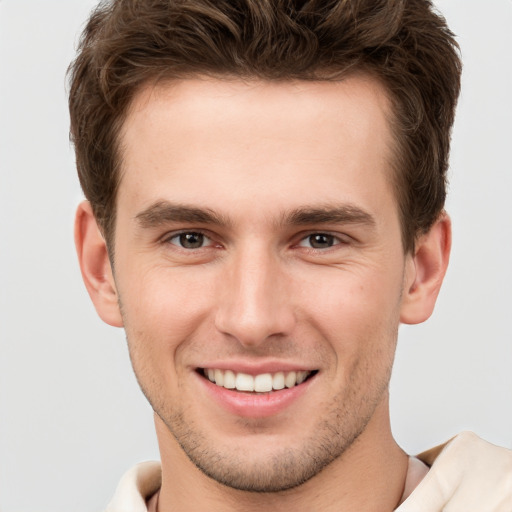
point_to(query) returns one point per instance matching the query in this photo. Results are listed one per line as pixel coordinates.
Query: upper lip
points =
(256, 368)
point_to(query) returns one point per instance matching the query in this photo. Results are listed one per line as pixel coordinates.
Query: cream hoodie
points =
(467, 474)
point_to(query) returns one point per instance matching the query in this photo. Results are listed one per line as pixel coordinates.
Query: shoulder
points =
(135, 487)
(467, 473)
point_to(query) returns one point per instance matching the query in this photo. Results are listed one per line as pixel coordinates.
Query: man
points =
(265, 185)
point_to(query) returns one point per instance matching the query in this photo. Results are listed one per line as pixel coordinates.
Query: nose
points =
(255, 304)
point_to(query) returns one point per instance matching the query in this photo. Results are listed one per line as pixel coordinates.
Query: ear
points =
(95, 266)
(425, 271)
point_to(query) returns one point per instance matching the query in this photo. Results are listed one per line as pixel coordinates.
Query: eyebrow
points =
(345, 214)
(163, 212)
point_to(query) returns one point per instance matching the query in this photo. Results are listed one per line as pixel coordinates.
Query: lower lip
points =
(253, 405)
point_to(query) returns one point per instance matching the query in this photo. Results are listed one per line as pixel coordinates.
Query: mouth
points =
(256, 384)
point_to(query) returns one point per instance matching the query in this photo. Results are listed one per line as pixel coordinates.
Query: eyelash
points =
(180, 234)
(335, 240)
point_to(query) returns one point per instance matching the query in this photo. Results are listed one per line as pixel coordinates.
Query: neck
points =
(369, 477)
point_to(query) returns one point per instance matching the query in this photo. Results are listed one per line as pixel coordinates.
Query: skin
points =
(258, 169)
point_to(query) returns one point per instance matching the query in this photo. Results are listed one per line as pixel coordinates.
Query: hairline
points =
(396, 169)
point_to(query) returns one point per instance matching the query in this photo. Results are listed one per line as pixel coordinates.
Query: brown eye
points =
(190, 240)
(319, 241)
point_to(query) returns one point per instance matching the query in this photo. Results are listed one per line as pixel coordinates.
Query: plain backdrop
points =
(72, 419)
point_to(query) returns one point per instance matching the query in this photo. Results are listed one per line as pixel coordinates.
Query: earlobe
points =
(425, 271)
(95, 266)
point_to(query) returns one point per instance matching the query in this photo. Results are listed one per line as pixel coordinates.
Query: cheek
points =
(357, 313)
(346, 297)
(164, 295)
(161, 310)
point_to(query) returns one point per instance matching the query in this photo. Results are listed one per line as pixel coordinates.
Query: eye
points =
(319, 241)
(190, 240)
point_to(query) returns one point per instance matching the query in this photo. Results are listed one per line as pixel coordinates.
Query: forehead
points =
(280, 143)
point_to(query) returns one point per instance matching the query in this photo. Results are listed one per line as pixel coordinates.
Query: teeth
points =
(262, 383)
(243, 382)
(229, 379)
(219, 377)
(278, 381)
(290, 380)
(301, 377)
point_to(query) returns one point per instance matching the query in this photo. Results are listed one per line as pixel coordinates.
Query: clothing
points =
(467, 474)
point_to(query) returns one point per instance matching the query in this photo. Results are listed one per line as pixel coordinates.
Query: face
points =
(260, 270)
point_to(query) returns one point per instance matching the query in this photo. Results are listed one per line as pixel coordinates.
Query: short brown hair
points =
(403, 43)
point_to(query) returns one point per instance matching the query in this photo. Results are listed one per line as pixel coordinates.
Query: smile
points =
(262, 383)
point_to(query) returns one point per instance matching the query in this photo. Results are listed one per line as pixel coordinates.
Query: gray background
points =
(72, 419)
